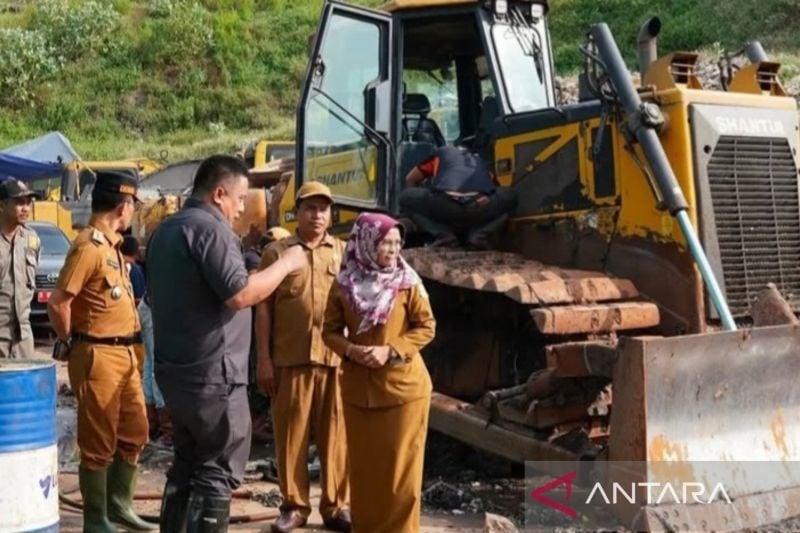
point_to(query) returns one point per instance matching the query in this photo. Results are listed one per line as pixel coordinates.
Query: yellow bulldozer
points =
(624, 315)
(69, 204)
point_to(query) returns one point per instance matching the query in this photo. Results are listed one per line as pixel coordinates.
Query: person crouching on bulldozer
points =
(452, 194)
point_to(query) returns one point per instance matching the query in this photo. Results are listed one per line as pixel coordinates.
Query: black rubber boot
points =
(208, 514)
(174, 508)
(95, 510)
(121, 487)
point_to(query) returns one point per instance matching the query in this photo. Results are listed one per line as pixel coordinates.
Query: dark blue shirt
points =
(137, 281)
(453, 170)
(194, 265)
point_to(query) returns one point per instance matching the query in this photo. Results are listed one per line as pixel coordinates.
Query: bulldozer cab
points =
(386, 88)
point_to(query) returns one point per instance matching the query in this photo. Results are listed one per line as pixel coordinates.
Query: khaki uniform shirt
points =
(95, 274)
(297, 306)
(19, 258)
(409, 328)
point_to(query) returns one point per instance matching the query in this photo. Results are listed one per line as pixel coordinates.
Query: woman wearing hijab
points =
(386, 390)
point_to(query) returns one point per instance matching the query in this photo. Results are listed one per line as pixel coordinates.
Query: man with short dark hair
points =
(19, 257)
(301, 373)
(92, 311)
(200, 291)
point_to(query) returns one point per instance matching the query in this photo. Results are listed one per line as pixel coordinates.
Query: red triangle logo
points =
(566, 480)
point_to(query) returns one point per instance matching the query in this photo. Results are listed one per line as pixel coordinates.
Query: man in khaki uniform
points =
(19, 257)
(93, 311)
(300, 372)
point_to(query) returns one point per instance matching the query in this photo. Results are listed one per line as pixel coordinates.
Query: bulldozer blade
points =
(719, 408)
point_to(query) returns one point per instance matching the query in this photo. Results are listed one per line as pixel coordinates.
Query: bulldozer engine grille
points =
(754, 191)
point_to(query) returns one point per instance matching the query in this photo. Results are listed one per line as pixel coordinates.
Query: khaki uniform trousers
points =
(309, 401)
(386, 452)
(111, 413)
(17, 349)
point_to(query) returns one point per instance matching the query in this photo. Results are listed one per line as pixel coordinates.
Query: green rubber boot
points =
(121, 486)
(93, 490)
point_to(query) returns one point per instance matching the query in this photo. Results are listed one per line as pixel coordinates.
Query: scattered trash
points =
(269, 499)
(498, 524)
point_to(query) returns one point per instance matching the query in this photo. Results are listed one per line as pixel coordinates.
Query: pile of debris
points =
(708, 69)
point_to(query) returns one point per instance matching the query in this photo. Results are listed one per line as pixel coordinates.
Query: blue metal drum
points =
(28, 446)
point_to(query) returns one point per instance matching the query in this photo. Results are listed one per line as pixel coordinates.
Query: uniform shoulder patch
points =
(33, 242)
(97, 236)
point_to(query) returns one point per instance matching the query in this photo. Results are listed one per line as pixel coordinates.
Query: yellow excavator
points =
(640, 305)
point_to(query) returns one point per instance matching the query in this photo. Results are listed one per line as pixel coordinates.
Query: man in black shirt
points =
(200, 291)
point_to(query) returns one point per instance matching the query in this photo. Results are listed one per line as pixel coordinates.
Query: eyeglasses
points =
(390, 244)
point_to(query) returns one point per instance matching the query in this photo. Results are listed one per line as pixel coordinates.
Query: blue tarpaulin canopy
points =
(41, 157)
(51, 147)
(26, 169)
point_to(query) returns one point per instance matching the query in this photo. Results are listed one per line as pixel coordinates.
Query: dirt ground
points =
(460, 484)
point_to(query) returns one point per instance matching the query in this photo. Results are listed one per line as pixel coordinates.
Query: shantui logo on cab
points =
(687, 493)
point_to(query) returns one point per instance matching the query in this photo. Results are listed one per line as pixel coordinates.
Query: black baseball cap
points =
(14, 188)
(117, 182)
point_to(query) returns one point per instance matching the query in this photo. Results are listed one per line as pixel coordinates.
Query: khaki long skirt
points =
(386, 450)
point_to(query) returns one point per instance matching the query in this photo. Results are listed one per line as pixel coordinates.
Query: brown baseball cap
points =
(14, 188)
(313, 188)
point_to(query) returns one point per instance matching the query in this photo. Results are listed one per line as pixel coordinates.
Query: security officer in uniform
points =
(19, 257)
(92, 311)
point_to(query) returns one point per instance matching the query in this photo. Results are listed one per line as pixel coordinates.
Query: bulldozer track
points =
(571, 316)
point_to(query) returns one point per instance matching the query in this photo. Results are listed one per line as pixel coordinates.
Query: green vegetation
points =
(124, 78)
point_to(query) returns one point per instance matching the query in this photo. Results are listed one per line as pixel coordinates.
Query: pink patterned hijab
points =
(370, 288)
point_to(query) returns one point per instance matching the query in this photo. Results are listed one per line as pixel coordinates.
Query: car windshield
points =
(53, 241)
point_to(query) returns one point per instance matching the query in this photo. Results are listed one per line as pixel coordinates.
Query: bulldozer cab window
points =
(524, 65)
(444, 61)
(441, 91)
(337, 147)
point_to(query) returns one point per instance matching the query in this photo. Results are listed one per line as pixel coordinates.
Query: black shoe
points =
(208, 514)
(174, 508)
(340, 522)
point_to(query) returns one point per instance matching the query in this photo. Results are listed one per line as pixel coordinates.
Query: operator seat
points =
(417, 127)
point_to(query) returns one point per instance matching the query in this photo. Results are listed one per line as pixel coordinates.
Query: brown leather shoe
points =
(340, 522)
(287, 521)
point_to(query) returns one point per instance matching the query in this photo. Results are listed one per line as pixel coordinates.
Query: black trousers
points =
(211, 434)
(438, 214)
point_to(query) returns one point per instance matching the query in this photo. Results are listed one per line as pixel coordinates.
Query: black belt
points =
(110, 341)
